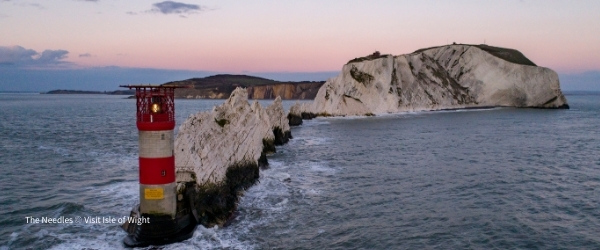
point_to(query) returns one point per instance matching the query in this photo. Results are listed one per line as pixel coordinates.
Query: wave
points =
(315, 122)
(261, 205)
(404, 113)
(309, 141)
(322, 169)
(112, 239)
(55, 210)
(214, 238)
(105, 183)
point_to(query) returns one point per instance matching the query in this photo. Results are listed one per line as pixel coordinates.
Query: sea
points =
(500, 178)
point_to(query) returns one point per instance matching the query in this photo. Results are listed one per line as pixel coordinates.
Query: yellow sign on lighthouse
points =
(154, 194)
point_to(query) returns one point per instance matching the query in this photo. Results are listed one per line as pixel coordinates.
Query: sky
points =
(100, 44)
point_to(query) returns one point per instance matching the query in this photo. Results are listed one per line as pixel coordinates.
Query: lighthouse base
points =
(144, 230)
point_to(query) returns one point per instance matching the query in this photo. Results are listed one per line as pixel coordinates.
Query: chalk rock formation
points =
(279, 122)
(446, 77)
(287, 91)
(299, 112)
(233, 134)
(295, 115)
(218, 153)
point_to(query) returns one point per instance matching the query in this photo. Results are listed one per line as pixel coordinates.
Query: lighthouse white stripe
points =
(156, 144)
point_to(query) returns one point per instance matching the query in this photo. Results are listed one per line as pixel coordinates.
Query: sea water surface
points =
(499, 178)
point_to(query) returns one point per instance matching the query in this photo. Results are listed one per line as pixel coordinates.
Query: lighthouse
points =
(157, 219)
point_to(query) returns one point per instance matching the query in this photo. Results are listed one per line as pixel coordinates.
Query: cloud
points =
(52, 56)
(37, 5)
(15, 54)
(170, 7)
(95, 78)
(24, 4)
(85, 55)
(22, 57)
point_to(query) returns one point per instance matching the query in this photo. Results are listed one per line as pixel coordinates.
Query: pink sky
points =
(294, 36)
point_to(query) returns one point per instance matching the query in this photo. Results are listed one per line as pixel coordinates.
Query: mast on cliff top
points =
(156, 217)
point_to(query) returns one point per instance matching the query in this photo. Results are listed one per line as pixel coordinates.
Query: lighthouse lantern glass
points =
(155, 107)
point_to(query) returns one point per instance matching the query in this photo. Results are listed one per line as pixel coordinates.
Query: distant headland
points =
(221, 86)
(89, 92)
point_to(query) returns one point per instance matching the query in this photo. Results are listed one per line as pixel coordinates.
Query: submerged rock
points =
(446, 77)
(220, 152)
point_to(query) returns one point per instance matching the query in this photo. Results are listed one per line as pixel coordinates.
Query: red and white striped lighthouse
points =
(158, 220)
(155, 123)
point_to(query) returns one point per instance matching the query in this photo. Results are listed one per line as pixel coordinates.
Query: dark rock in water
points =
(268, 149)
(263, 162)
(308, 115)
(295, 120)
(281, 137)
(215, 203)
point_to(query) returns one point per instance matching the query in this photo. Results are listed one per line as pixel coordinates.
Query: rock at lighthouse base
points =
(220, 152)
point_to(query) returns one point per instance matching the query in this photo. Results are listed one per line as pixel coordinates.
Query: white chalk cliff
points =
(233, 134)
(445, 77)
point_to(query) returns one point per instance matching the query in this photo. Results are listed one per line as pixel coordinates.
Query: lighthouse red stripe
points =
(155, 126)
(157, 171)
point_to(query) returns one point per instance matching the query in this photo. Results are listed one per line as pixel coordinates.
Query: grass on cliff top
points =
(375, 55)
(511, 55)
